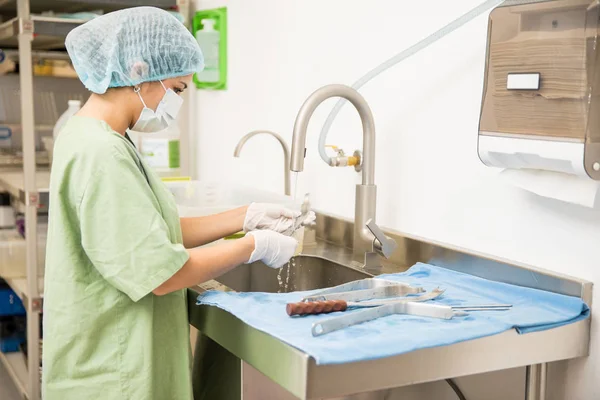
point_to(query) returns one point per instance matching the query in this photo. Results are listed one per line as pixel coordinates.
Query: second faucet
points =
(286, 155)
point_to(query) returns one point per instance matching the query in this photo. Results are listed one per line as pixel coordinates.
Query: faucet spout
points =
(365, 243)
(366, 116)
(284, 147)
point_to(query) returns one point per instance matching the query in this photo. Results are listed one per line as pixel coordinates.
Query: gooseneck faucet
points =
(368, 238)
(286, 154)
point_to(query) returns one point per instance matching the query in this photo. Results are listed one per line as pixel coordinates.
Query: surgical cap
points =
(131, 46)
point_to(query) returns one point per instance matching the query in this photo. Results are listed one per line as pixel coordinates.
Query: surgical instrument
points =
(406, 308)
(345, 300)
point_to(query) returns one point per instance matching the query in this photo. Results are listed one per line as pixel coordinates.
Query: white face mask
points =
(155, 121)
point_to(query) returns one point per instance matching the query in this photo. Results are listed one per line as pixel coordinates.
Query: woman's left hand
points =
(273, 217)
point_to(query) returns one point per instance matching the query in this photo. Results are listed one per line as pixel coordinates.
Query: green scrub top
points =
(114, 236)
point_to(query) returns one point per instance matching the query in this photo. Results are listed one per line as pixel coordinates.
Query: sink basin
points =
(302, 273)
(216, 371)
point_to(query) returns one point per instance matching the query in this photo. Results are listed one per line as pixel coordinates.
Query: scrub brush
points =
(298, 233)
(299, 236)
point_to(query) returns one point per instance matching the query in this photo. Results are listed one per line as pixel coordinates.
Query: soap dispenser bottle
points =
(208, 39)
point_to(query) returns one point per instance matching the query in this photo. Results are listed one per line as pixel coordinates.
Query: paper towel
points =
(556, 185)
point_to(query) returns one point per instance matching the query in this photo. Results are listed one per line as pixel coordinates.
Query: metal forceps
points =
(353, 294)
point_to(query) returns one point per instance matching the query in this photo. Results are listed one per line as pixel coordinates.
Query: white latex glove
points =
(272, 248)
(273, 217)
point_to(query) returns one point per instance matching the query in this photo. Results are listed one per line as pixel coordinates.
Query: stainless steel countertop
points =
(298, 373)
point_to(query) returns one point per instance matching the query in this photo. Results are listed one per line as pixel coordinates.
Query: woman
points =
(119, 257)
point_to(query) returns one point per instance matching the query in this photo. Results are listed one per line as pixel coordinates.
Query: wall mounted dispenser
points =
(210, 30)
(541, 97)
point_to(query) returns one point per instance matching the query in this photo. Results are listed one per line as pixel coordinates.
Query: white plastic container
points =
(74, 106)
(12, 254)
(196, 198)
(161, 150)
(208, 39)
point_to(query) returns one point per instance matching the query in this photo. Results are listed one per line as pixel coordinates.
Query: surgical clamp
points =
(364, 289)
(407, 308)
(343, 301)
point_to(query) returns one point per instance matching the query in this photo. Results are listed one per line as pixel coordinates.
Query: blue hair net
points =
(131, 46)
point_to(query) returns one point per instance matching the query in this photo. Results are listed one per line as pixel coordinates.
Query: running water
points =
(279, 280)
(284, 286)
(291, 265)
(295, 189)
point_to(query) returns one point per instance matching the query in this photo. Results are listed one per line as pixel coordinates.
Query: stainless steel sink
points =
(216, 372)
(302, 273)
(227, 348)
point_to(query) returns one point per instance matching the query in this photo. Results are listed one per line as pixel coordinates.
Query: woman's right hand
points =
(274, 217)
(272, 248)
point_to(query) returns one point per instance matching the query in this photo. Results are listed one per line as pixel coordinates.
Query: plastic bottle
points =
(208, 39)
(161, 150)
(74, 106)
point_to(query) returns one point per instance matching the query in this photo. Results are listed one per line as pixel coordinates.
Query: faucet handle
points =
(340, 152)
(383, 244)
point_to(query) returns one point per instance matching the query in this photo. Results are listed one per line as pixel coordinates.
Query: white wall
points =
(431, 182)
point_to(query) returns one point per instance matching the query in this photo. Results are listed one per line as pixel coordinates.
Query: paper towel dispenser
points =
(541, 96)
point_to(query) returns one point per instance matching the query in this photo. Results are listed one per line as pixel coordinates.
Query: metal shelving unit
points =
(12, 182)
(19, 286)
(29, 34)
(49, 31)
(17, 369)
(71, 6)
